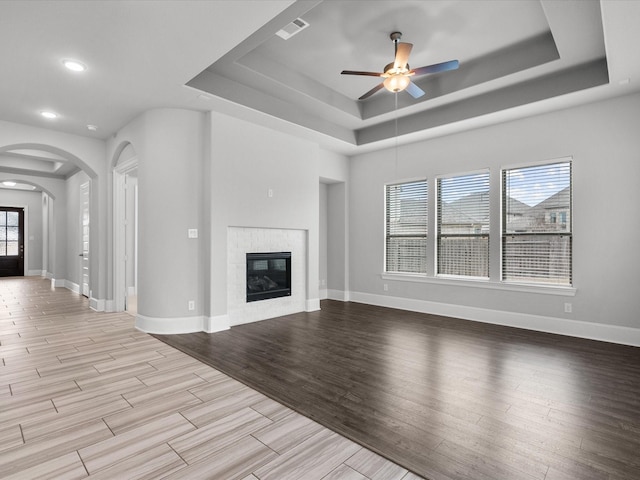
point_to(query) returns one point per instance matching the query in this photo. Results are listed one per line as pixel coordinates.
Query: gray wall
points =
(169, 145)
(246, 161)
(337, 241)
(212, 172)
(334, 175)
(170, 156)
(603, 140)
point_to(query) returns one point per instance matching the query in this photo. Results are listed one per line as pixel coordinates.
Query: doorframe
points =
(120, 173)
(25, 239)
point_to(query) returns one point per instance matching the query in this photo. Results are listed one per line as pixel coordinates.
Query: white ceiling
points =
(516, 58)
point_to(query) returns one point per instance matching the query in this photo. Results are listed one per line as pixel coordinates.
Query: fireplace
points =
(268, 275)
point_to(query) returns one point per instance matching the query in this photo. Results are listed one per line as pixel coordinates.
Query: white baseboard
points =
(312, 305)
(48, 275)
(168, 326)
(323, 294)
(96, 304)
(74, 287)
(340, 295)
(101, 305)
(561, 326)
(58, 282)
(217, 323)
(34, 273)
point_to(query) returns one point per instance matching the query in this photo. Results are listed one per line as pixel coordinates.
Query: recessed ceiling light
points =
(9, 183)
(93, 128)
(74, 65)
(49, 115)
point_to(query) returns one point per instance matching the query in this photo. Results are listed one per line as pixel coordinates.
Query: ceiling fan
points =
(397, 74)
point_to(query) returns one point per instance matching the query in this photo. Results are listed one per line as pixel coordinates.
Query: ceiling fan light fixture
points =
(397, 73)
(396, 83)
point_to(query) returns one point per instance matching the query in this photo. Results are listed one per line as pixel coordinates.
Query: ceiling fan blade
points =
(356, 72)
(437, 67)
(402, 55)
(414, 90)
(372, 91)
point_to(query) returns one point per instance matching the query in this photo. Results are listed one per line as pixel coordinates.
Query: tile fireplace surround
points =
(243, 240)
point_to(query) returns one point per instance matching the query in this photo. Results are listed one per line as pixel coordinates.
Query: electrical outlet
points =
(568, 308)
(385, 287)
(270, 193)
(192, 304)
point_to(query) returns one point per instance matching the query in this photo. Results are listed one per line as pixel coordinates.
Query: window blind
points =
(463, 225)
(406, 227)
(536, 227)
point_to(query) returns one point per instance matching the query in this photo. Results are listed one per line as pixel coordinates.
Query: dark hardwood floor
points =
(445, 398)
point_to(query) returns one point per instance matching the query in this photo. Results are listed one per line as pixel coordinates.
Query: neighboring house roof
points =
(472, 210)
(558, 200)
(535, 217)
(516, 207)
(468, 210)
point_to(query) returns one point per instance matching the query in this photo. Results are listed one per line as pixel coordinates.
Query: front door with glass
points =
(11, 242)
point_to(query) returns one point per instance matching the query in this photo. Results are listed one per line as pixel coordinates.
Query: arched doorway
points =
(56, 243)
(33, 177)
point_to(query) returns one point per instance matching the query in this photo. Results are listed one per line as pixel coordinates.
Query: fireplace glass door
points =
(268, 275)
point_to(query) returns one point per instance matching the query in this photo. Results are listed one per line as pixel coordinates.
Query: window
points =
(406, 227)
(463, 225)
(9, 233)
(536, 224)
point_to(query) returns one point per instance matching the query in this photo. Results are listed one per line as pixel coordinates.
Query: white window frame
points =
(494, 282)
(567, 289)
(386, 230)
(438, 234)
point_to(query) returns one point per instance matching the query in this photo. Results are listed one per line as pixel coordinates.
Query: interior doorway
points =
(85, 195)
(11, 242)
(126, 236)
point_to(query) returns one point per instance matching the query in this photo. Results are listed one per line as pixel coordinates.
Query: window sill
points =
(482, 283)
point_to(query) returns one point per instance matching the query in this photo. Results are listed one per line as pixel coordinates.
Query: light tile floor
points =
(85, 394)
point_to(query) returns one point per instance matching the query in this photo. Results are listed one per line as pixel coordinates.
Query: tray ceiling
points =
(511, 54)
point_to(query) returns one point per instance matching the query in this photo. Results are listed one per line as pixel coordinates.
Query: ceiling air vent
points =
(291, 29)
